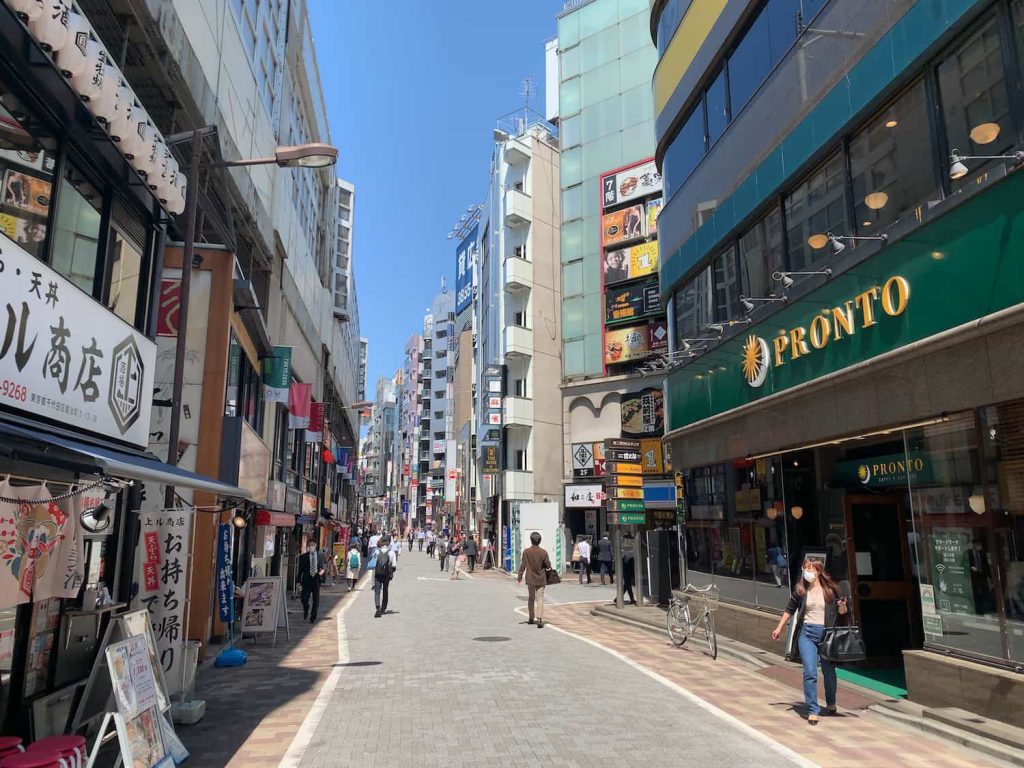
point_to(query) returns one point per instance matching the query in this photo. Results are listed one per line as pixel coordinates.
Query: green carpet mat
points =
(889, 681)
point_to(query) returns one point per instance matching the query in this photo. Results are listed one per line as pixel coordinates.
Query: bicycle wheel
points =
(678, 621)
(709, 631)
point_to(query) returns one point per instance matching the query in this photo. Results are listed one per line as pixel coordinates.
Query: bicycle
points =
(680, 623)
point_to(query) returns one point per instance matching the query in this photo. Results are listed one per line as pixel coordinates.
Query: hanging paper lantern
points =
(134, 143)
(142, 160)
(50, 28)
(161, 156)
(167, 189)
(120, 127)
(103, 105)
(88, 83)
(27, 10)
(176, 201)
(71, 56)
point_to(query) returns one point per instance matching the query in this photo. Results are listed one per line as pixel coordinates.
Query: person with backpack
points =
(354, 561)
(383, 572)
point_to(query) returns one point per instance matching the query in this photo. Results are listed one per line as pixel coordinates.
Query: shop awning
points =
(276, 519)
(115, 462)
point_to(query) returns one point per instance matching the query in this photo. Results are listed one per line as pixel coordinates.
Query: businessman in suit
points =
(311, 568)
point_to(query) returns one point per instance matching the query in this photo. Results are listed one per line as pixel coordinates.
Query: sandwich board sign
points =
(263, 609)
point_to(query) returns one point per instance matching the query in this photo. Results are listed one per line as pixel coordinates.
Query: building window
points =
(727, 298)
(125, 275)
(717, 108)
(975, 104)
(685, 151)
(761, 255)
(891, 163)
(815, 207)
(693, 306)
(749, 63)
(75, 251)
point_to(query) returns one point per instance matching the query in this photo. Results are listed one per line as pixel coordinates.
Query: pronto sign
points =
(831, 325)
(68, 358)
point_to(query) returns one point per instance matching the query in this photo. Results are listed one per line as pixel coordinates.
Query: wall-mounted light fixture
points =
(748, 301)
(830, 238)
(957, 169)
(786, 278)
(720, 327)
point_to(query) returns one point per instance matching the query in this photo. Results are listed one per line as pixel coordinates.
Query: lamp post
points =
(305, 155)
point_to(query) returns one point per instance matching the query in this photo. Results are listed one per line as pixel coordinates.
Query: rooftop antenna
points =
(529, 93)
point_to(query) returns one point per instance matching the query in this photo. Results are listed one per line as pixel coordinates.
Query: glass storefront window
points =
(727, 296)
(27, 160)
(685, 151)
(891, 163)
(975, 103)
(814, 207)
(75, 251)
(125, 273)
(761, 255)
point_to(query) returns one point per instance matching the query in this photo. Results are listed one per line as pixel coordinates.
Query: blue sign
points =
(464, 270)
(225, 585)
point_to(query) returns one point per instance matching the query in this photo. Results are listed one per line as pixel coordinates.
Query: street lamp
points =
(303, 155)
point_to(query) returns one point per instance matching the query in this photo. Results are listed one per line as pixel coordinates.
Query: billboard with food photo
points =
(623, 226)
(621, 345)
(630, 183)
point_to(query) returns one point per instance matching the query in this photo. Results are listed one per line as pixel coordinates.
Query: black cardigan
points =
(797, 607)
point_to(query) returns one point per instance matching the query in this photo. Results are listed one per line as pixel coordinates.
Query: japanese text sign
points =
(66, 357)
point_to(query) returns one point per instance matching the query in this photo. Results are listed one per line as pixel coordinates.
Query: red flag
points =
(299, 400)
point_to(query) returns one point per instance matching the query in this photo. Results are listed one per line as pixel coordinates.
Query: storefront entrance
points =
(880, 576)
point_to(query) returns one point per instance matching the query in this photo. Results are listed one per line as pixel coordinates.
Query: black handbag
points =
(842, 644)
(552, 577)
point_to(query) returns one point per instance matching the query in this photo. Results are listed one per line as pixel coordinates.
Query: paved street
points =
(421, 686)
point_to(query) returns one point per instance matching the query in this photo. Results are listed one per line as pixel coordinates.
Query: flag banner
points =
(277, 375)
(299, 402)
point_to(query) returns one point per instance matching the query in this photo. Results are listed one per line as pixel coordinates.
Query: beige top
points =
(815, 606)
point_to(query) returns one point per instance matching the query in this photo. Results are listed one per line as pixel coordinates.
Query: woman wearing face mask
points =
(815, 603)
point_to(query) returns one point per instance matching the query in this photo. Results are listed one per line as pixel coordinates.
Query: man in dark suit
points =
(535, 563)
(311, 568)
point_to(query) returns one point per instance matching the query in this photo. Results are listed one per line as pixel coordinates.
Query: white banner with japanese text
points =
(66, 357)
(162, 576)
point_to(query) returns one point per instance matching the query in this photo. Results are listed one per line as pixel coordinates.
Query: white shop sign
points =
(583, 496)
(66, 357)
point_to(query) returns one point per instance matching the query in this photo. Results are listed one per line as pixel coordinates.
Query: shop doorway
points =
(881, 579)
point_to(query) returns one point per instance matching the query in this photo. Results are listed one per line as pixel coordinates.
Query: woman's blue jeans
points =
(810, 636)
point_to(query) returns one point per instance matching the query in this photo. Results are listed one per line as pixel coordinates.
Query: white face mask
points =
(810, 576)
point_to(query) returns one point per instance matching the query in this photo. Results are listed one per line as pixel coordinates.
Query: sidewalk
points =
(253, 711)
(858, 737)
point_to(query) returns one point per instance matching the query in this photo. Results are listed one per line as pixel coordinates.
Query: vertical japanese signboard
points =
(277, 375)
(225, 586)
(64, 356)
(464, 270)
(162, 575)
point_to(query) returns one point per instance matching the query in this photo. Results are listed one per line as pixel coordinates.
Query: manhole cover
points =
(492, 639)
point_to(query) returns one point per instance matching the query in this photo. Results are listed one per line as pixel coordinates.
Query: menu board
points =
(135, 693)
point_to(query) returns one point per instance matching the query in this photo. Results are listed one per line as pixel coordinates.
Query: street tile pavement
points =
(253, 711)
(857, 738)
(454, 677)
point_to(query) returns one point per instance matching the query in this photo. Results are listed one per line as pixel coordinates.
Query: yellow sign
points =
(629, 493)
(651, 457)
(829, 325)
(619, 468)
(635, 481)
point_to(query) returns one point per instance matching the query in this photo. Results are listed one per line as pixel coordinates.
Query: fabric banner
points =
(161, 574)
(277, 375)
(315, 430)
(299, 401)
(41, 547)
(225, 585)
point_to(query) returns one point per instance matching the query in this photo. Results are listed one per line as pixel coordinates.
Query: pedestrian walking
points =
(816, 602)
(453, 552)
(431, 545)
(410, 539)
(355, 560)
(583, 548)
(395, 547)
(373, 544)
(470, 551)
(535, 564)
(311, 569)
(604, 559)
(442, 551)
(628, 573)
(383, 571)
(459, 564)
(421, 538)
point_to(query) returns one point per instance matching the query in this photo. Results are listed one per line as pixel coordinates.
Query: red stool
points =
(10, 745)
(72, 748)
(36, 759)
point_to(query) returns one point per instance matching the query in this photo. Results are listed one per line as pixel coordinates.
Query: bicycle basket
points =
(703, 597)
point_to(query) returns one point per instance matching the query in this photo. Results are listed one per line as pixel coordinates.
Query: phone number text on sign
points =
(13, 390)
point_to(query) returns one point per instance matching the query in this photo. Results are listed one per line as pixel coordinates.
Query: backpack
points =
(353, 560)
(383, 570)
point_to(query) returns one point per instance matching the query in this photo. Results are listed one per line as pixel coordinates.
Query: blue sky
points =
(414, 89)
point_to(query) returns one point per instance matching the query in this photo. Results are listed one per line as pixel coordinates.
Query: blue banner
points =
(225, 585)
(464, 270)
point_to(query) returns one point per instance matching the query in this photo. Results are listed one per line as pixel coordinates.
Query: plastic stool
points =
(10, 745)
(72, 748)
(37, 759)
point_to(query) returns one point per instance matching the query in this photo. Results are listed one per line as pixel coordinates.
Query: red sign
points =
(151, 568)
(316, 417)
(170, 308)
(451, 474)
